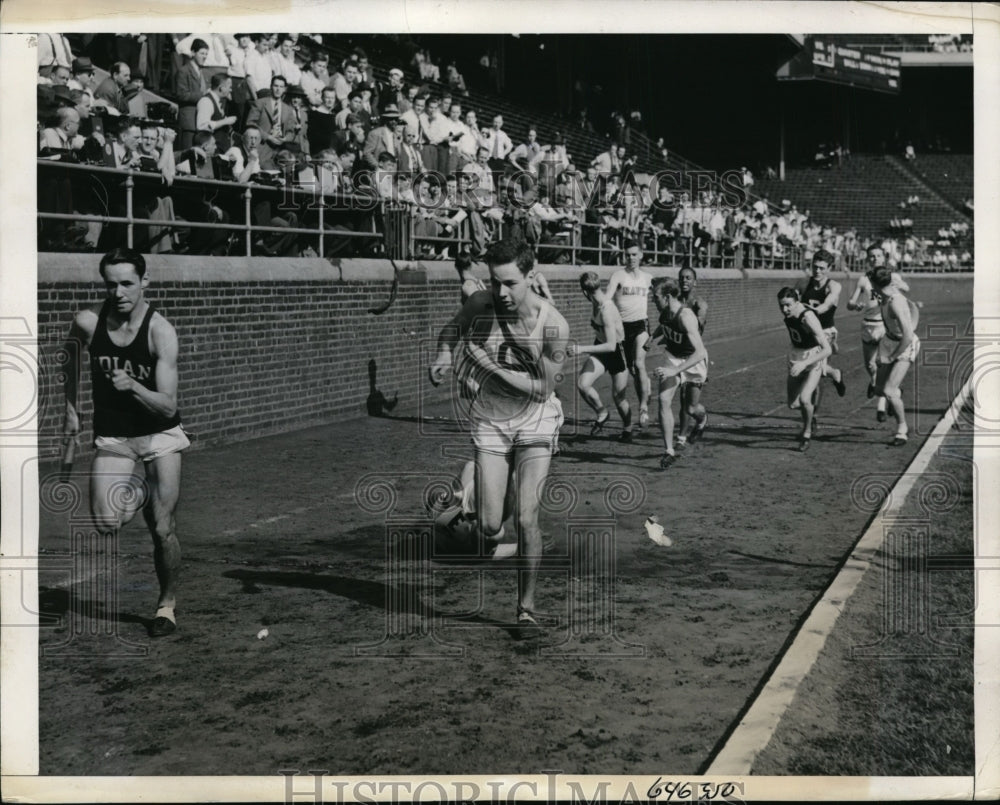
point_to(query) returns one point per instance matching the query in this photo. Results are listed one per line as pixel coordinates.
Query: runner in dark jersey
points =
(687, 359)
(133, 363)
(691, 389)
(606, 355)
(822, 295)
(810, 348)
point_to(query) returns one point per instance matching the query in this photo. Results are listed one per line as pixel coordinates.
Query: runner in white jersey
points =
(629, 288)
(872, 327)
(517, 342)
(898, 348)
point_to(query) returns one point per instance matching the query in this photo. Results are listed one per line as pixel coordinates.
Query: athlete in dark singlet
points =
(133, 363)
(517, 342)
(691, 389)
(810, 348)
(606, 355)
(687, 360)
(822, 295)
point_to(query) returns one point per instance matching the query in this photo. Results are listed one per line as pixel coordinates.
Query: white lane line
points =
(757, 727)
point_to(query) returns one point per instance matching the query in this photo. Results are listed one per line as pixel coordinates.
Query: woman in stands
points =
(810, 349)
(607, 354)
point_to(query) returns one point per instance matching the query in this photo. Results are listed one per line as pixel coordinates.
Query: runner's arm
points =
(832, 299)
(451, 333)
(80, 334)
(812, 322)
(901, 308)
(163, 401)
(854, 303)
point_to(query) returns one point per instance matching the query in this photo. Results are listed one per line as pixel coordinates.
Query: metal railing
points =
(391, 228)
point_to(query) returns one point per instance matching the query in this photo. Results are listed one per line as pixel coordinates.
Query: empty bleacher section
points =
(950, 175)
(864, 192)
(315, 184)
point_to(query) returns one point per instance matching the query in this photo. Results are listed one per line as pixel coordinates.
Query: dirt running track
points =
(274, 537)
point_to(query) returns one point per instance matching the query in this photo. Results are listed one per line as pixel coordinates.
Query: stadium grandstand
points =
(422, 147)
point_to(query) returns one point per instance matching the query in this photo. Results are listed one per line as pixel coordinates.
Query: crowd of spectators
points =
(278, 111)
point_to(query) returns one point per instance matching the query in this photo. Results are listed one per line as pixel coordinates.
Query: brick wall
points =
(289, 344)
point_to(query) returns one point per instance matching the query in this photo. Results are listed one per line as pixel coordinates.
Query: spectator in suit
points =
(191, 88)
(238, 72)
(218, 60)
(393, 92)
(408, 157)
(112, 89)
(297, 100)
(276, 121)
(383, 139)
(211, 112)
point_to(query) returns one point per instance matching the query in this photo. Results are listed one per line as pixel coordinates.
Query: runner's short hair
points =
(511, 250)
(666, 286)
(881, 276)
(788, 293)
(589, 281)
(121, 256)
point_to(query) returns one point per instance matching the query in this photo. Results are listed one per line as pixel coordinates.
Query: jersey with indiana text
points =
(119, 413)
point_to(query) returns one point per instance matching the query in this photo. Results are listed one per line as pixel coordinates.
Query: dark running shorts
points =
(614, 362)
(632, 331)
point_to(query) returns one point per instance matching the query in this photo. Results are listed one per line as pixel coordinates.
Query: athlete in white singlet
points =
(872, 327)
(898, 349)
(517, 343)
(629, 288)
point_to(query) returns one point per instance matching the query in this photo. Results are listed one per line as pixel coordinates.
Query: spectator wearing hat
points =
(283, 60)
(393, 92)
(258, 68)
(84, 79)
(385, 138)
(276, 121)
(211, 112)
(192, 85)
(111, 89)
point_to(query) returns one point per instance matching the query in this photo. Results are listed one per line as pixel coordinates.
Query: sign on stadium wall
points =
(824, 59)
